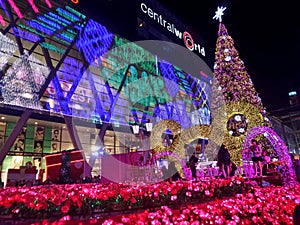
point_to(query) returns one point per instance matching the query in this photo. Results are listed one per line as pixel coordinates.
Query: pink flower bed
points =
(88, 199)
(213, 201)
(265, 206)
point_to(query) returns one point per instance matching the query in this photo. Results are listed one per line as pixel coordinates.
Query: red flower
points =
(65, 208)
(133, 200)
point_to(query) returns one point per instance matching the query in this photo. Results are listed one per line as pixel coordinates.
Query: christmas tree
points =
(231, 74)
(244, 108)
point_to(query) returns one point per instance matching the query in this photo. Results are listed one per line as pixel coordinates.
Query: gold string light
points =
(254, 118)
(180, 138)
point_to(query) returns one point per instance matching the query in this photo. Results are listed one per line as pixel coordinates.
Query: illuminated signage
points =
(185, 36)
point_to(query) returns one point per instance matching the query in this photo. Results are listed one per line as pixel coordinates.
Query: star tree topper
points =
(219, 13)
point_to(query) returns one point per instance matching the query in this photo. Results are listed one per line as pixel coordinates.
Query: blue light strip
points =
(66, 38)
(31, 30)
(4, 8)
(135, 116)
(168, 111)
(111, 97)
(75, 12)
(59, 18)
(168, 74)
(55, 20)
(61, 40)
(78, 73)
(26, 35)
(99, 108)
(112, 108)
(67, 15)
(50, 22)
(35, 24)
(60, 96)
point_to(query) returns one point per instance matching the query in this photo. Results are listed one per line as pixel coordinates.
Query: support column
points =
(13, 136)
(73, 132)
(202, 149)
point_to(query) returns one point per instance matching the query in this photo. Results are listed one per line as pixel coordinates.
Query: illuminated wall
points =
(104, 78)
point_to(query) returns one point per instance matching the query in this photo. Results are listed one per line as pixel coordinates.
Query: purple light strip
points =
(280, 148)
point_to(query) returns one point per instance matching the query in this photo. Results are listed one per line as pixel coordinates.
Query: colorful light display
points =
(95, 41)
(7, 49)
(106, 88)
(238, 92)
(22, 82)
(284, 157)
(17, 10)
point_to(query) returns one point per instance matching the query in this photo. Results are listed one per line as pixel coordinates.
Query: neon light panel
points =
(95, 41)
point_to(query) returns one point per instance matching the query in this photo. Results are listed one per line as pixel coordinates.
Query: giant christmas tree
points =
(243, 106)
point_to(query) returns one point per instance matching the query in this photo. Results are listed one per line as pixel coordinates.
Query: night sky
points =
(266, 35)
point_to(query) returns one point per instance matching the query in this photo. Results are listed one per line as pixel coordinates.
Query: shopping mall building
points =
(84, 76)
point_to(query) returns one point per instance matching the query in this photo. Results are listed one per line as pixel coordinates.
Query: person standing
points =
(192, 164)
(257, 157)
(224, 161)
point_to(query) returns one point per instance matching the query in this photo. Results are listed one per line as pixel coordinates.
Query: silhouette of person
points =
(224, 161)
(257, 157)
(296, 215)
(192, 164)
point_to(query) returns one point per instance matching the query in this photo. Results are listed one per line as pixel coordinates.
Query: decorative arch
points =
(158, 130)
(183, 170)
(180, 138)
(288, 172)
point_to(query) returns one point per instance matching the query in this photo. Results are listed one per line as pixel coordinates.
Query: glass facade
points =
(62, 64)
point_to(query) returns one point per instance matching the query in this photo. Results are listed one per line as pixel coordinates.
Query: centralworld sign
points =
(185, 36)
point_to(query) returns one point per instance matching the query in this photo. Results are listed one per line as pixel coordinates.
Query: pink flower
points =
(173, 197)
(189, 194)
